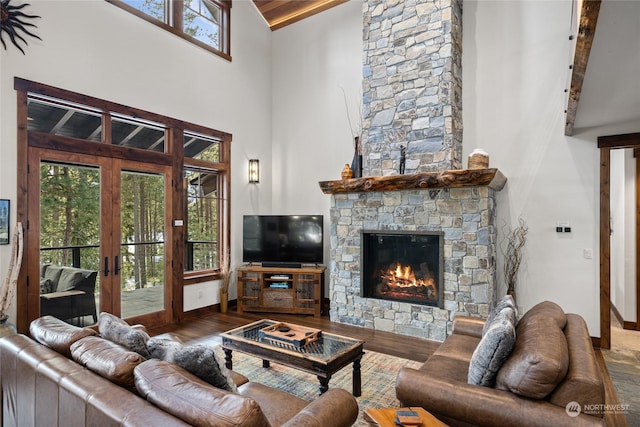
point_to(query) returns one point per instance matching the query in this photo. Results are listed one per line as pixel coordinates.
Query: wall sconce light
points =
(254, 171)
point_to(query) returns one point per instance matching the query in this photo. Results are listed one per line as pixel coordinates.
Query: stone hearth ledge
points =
(457, 178)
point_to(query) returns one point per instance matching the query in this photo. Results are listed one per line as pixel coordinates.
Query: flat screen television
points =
(282, 240)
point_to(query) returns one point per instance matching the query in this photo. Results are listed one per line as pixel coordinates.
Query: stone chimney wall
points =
(412, 86)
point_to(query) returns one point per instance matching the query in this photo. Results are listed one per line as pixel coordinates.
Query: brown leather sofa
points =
(40, 386)
(441, 385)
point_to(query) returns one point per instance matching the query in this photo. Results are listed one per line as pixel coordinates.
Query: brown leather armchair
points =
(441, 385)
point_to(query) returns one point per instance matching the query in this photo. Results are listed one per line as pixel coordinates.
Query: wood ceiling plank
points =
(586, 31)
(280, 13)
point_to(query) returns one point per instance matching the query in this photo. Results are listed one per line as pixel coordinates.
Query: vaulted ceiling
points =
(606, 92)
(611, 84)
(280, 13)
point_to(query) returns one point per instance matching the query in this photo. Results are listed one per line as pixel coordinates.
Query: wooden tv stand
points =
(281, 290)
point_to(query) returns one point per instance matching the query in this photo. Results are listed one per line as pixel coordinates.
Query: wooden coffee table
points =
(322, 358)
(384, 417)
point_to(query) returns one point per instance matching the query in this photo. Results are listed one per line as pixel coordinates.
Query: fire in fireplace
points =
(403, 266)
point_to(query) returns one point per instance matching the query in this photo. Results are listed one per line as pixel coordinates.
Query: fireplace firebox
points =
(403, 266)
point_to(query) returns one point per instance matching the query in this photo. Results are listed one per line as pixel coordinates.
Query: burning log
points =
(402, 280)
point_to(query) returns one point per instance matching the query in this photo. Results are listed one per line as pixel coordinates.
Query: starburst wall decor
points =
(13, 21)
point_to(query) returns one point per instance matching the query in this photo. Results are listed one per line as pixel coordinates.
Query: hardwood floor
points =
(201, 325)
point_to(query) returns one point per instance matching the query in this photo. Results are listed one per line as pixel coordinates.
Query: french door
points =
(104, 223)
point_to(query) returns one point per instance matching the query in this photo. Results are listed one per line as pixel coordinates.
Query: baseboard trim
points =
(632, 326)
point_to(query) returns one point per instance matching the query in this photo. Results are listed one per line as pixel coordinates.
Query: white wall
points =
(514, 76)
(95, 48)
(617, 241)
(515, 73)
(628, 298)
(623, 237)
(317, 66)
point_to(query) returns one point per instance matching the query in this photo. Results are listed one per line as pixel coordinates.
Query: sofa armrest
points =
(238, 379)
(466, 325)
(468, 403)
(63, 294)
(336, 407)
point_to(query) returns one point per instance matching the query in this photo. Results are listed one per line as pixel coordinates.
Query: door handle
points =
(106, 266)
(116, 266)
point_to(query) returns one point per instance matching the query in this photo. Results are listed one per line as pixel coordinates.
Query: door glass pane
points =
(69, 241)
(142, 252)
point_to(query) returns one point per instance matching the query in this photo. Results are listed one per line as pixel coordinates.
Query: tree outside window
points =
(202, 22)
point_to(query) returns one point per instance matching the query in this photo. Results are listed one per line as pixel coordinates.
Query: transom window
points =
(202, 22)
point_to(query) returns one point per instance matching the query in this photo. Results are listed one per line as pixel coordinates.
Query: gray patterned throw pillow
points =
(200, 360)
(492, 351)
(117, 330)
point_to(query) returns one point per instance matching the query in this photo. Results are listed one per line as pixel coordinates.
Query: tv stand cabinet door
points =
(307, 286)
(249, 287)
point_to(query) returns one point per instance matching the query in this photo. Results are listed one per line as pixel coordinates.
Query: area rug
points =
(378, 373)
(624, 370)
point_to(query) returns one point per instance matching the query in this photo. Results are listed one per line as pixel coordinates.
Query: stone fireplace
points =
(412, 182)
(402, 266)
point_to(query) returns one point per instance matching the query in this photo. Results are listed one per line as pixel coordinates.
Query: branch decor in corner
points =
(13, 22)
(514, 241)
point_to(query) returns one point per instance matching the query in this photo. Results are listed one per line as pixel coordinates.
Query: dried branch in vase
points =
(10, 283)
(356, 131)
(225, 273)
(515, 240)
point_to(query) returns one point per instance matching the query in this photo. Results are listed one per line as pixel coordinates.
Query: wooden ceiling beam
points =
(588, 20)
(280, 13)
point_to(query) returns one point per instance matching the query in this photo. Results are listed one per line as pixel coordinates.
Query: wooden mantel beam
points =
(588, 16)
(492, 178)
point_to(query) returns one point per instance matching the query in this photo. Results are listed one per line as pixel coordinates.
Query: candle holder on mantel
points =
(478, 159)
(347, 173)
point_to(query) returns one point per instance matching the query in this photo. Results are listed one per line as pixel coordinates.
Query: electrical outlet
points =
(587, 253)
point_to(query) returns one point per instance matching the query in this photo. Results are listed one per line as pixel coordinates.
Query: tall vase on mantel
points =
(356, 163)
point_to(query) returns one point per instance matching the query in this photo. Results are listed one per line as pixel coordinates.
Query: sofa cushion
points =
(107, 359)
(43, 268)
(46, 286)
(277, 406)
(189, 398)
(545, 309)
(539, 361)
(53, 273)
(506, 302)
(583, 383)
(117, 330)
(56, 334)
(493, 349)
(200, 360)
(69, 279)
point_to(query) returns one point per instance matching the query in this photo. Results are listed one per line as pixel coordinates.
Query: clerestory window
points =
(201, 22)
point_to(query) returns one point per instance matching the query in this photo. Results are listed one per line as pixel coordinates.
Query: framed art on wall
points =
(4, 222)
